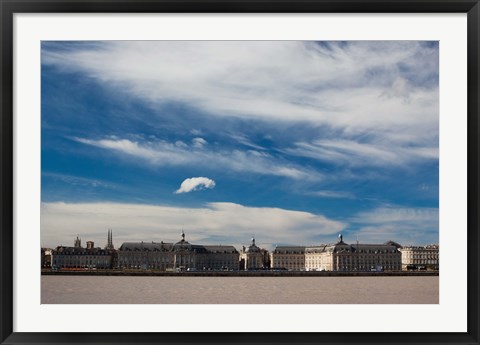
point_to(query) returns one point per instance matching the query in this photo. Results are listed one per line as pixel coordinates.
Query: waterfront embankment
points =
(260, 273)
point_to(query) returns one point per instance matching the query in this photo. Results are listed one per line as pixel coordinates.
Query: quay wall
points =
(238, 273)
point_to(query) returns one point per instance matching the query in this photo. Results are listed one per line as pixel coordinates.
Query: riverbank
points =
(265, 273)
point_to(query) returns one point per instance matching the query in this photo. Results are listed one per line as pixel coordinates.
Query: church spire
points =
(78, 242)
(110, 239)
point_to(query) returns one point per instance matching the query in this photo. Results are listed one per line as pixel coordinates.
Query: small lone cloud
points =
(199, 142)
(194, 184)
(196, 132)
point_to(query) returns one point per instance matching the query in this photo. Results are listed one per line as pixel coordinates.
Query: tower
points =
(77, 243)
(109, 240)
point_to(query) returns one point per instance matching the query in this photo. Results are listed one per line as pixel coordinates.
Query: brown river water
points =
(239, 290)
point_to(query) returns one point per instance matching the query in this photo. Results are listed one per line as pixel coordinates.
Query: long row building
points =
(176, 256)
(339, 257)
(184, 256)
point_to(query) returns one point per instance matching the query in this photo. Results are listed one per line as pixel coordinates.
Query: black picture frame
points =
(9, 8)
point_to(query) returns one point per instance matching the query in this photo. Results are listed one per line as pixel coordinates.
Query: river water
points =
(239, 290)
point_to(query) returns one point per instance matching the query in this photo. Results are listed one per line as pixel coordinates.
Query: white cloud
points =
(181, 144)
(352, 152)
(389, 88)
(400, 88)
(242, 139)
(399, 214)
(162, 153)
(196, 132)
(199, 142)
(216, 223)
(79, 181)
(333, 194)
(229, 223)
(402, 224)
(195, 183)
(122, 145)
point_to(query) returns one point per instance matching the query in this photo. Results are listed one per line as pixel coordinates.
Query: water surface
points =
(239, 290)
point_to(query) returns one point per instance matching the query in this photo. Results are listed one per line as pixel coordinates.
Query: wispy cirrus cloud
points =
(244, 140)
(333, 194)
(78, 181)
(387, 90)
(162, 153)
(355, 86)
(352, 152)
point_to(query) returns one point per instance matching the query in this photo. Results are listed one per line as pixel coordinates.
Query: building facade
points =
(222, 257)
(46, 257)
(184, 256)
(421, 257)
(78, 257)
(319, 258)
(353, 257)
(180, 256)
(144, 255)
(253, 257)
(290, 258)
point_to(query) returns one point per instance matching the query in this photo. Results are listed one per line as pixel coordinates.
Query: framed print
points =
(198, 172)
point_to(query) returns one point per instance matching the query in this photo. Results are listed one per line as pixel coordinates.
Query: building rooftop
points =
(179, 246)
(80, 251)
(289, 250)
(146, 246)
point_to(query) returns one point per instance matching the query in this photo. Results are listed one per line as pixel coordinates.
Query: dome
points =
(253, 249)
(182, 245)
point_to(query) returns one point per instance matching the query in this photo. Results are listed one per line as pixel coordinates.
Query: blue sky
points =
(292, 142)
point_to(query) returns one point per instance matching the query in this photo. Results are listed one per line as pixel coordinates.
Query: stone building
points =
(184, 256)
(319, 258)
(353, 257)
(178, 256)
(253, 257)
(77, 257)
(74, 257)
(420, 257)
(221, 257)
(266, 258)
(291, 258)
(46, 257)
(145, 255)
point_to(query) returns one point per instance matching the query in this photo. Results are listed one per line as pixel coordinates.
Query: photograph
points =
(239, 172)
